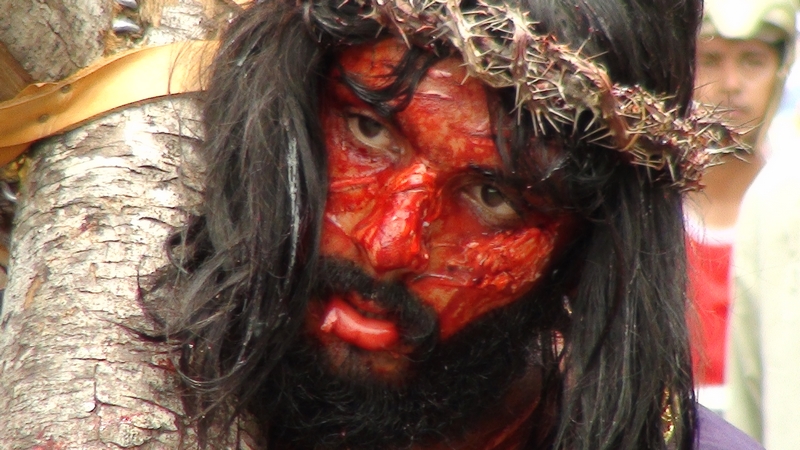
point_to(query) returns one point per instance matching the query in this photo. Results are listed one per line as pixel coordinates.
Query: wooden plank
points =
(12, 76)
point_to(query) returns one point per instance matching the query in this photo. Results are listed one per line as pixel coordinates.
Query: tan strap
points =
(45, 109)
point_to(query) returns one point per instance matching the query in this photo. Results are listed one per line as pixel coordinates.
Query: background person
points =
(764, 333)
(744, 52)
(764, 338)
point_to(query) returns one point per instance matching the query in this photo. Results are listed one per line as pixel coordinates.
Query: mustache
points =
(448, 389)
(417, 322)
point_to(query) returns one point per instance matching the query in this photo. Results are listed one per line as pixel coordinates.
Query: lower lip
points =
(735, 115)
(345, 322)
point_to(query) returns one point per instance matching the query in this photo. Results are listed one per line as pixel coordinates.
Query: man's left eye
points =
(369, 131)
(493, 206)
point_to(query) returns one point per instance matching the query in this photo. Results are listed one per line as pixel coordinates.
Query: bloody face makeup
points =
(421, 198)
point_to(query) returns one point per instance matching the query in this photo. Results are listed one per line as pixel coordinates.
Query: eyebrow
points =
(500, 176)
(753, 54)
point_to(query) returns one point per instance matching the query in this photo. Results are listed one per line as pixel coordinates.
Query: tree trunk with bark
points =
(92, 217)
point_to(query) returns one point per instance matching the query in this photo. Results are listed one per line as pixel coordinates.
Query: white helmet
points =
(771, 21)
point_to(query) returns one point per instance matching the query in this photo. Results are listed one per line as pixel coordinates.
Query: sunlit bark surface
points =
(92, 218)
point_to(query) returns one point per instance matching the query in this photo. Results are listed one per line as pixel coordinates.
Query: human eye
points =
(753, 61)
(708, 60)
(492, 204)
(370, 131)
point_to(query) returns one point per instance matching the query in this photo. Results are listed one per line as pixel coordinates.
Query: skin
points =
(410, 200)
(737, 75)
(422, 198)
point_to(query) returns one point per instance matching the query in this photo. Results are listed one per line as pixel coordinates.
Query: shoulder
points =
(771, 201)
(714, 433)
(779, 175)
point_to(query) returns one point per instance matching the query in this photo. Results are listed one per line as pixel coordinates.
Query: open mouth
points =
(355, 314)
(359, 322)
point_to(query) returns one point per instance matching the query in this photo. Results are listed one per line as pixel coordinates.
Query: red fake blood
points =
(349, 325)
(403, 201)
(391, 235)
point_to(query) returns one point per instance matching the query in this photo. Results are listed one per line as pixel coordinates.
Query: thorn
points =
(130, 4)
(596, 140)
(591, 122)
(124, 25)
(552, 120)
(8, 193)
(556, 112)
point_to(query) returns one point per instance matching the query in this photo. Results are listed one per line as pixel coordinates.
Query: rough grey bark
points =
(42, 35)
(92, 218)
(94, 214)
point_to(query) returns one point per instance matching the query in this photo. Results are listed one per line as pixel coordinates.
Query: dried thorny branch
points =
(557, 84)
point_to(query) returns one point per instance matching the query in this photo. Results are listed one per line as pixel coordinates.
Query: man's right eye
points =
(492, 204)
(370, 132)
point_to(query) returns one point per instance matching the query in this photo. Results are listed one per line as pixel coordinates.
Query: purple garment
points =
(714, 433)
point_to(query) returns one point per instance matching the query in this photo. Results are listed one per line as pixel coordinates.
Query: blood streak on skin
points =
(402, 203)
(392, 233)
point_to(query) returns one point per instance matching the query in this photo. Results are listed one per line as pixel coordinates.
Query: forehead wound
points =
(446, 84)
(374, 62)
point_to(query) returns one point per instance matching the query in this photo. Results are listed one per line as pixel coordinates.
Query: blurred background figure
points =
(763, 369)
(744, 53)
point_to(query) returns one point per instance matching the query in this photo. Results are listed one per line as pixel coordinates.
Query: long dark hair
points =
(245, 266)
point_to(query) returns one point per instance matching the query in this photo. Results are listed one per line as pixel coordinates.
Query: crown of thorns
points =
(556, 84)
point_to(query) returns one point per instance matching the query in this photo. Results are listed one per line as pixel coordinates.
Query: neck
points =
(717, 205)
(512, 425)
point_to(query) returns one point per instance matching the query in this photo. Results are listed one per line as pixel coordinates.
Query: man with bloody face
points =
(446, 224)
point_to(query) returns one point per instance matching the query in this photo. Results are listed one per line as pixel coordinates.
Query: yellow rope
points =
(46, 109)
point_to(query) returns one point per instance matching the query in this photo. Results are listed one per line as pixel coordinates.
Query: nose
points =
(392, 235)
(732, 78)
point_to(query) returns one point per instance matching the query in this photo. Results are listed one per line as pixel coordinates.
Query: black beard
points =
(452, 385)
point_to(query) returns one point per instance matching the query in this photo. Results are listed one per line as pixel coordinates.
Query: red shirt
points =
(709, 262)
